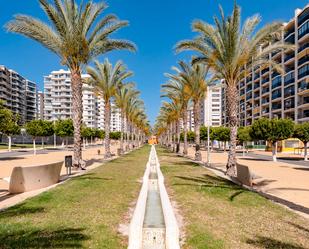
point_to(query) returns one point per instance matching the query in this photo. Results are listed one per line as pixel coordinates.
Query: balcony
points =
(276, 94)
(303, 60)
(303, 102)
(289, 78)
(265, 111)
(303, 71)
(265, 70)
(288, 57)
(256, 95)
(303, 47)
(303, 30)
(303, 86)
(276, 106)
(288, 104)
(265, 90)
(265, 101)
(290, 39)
(256, 85)
(303, 17)
(276, 82)
(290, 91)
(265, 80)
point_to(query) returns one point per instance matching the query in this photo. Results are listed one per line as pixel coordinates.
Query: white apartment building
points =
(58, 102)
(212, 106)
(211, 109)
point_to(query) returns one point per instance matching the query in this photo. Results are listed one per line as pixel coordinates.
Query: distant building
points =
(19, 94)
(212, 106)
(58, 102)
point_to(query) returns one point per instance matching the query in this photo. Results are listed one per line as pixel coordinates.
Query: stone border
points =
(136, 224)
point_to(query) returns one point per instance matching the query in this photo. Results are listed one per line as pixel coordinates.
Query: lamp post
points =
(208, 129)
(55, 138)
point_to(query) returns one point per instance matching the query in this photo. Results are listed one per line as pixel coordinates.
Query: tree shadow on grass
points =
(299, 227)
(270, 243)
(91, 176)
(20, 209)
(45, 238)
(209, 181)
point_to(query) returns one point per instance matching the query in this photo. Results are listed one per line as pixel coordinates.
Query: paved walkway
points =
(287, 181)
(11, 160)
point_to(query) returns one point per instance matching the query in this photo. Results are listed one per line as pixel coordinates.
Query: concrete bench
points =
(25, 179)
(244, 175)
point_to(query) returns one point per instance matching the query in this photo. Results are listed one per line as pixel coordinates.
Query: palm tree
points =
(195, 79)
(230, 49)
(106, 79)
(176, 87)
(76, 34)
(122, 99)
(173, 90)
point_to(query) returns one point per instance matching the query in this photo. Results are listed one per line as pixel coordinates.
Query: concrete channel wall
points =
(171, 226)
(136, 225)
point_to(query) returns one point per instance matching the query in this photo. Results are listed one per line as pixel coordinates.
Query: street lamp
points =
(208, 130)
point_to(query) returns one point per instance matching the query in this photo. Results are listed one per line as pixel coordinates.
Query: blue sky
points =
(155, 27)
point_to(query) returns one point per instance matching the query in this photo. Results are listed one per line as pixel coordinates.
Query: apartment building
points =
(211, 111)
(58, 102)
(19, 94)
(266, 93)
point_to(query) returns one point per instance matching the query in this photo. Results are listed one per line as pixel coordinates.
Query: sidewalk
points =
(283, 180)
(90, 155)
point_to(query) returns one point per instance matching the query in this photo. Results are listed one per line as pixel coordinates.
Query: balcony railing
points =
(303, 60)
(265, 90)
(289, 78)
(303, 30)
(303, 86)
(303, 71)
(288, 57)
(302, 47)
(265, 80)
(264, 101)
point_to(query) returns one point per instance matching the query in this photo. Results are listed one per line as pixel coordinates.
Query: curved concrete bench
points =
(244, 175)
(25, 179)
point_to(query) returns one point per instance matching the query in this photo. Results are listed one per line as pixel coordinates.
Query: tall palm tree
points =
(122, 99)
(176, 87)
(77, 34)
(173, 90)
(106, 79)
(195, 79)
(229, 48)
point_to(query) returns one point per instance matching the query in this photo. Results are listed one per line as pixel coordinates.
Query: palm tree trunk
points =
(77, 110)
(10, 143)
(178, 136)
(305, 151)
(274, 150)
(107, 129)
(121, 135)
(196, 110)
(185, 133)
(232, 102)
(34, 147)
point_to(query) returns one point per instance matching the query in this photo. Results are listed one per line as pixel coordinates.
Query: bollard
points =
(68, 161)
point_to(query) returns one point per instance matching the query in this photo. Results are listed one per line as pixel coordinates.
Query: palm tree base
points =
(231, 170)
(198, 156)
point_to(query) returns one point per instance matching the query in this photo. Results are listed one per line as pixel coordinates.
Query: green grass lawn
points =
(82, 213)
(220, 214)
